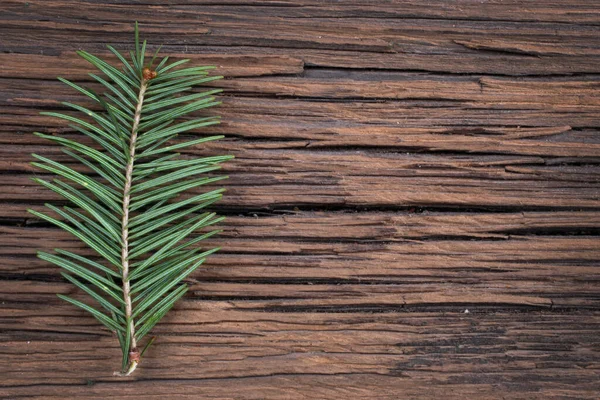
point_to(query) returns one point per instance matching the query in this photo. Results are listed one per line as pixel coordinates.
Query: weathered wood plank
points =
(393, 226)
(240, 345)
(35, 66)
(421, 43)
(356, 179)
(540, 271)
(561, 143)
(578, 11)
(503, 118)
(480, 91)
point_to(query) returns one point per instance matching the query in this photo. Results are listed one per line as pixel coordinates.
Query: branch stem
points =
(133, 352)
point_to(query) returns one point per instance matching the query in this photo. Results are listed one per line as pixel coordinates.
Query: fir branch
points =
(128, 204)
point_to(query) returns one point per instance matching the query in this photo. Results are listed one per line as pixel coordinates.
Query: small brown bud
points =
(134, 355)
(148, 74)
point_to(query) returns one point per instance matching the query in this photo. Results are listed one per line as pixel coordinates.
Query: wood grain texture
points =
(413, 211)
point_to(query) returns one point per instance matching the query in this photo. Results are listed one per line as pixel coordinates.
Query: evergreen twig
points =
(137, 205)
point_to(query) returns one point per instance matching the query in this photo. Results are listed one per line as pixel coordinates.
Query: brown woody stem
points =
(134, 352)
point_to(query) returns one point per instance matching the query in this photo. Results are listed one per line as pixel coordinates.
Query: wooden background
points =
(413, 208)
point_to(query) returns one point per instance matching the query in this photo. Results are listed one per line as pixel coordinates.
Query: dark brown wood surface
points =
(413, 211)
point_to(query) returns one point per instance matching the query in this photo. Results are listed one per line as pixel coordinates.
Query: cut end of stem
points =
(129, 371)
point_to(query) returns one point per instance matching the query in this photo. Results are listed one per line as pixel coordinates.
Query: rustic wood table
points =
(413, 211)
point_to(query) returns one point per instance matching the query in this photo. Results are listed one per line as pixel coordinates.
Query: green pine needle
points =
(134, 200)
